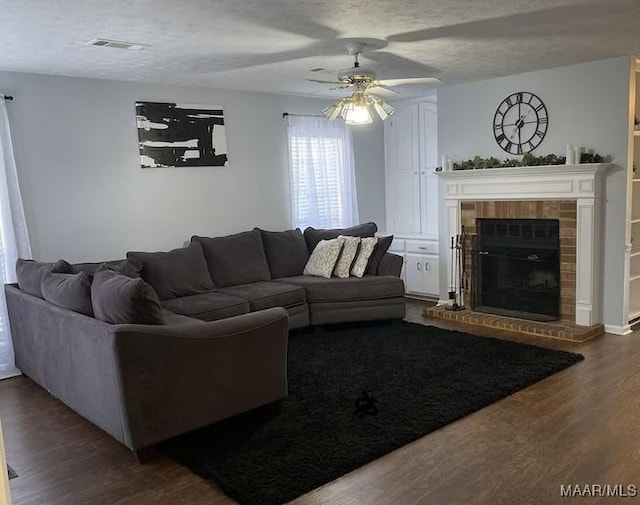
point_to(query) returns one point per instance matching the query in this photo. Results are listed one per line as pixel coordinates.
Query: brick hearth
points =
(562, 330)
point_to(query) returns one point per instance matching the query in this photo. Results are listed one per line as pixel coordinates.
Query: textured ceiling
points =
(272, 45)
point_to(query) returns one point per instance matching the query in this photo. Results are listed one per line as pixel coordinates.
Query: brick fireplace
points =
(562, 210)
(571, 194)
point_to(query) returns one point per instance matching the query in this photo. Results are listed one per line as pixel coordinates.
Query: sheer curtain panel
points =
(322, 174)
(14, 240)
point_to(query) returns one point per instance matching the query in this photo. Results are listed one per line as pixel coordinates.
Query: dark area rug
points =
(11, 472)
(355, 394)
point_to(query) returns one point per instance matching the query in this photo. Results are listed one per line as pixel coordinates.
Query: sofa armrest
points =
(390, 264)
(176, 378)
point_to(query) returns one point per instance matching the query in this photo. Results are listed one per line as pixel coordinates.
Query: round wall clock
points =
(520, 123)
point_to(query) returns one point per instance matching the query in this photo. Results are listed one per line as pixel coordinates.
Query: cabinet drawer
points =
(397, 245)
(422, 247)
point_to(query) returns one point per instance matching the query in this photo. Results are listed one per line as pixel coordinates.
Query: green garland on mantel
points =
(528, 160)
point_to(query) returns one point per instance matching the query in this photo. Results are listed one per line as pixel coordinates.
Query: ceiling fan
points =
(368, 90)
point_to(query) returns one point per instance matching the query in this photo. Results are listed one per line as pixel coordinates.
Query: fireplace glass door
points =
(517, 268)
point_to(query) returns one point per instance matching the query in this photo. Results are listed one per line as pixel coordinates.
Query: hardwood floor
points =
(580, 426)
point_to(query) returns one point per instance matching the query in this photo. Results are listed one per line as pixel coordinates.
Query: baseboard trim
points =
(12, 372)
(617, 330)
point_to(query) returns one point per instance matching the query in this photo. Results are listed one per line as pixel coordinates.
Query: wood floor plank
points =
(580, 426)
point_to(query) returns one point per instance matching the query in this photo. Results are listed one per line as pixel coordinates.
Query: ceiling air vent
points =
(116, 44)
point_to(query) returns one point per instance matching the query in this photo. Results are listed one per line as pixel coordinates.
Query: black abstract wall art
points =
(179, 135)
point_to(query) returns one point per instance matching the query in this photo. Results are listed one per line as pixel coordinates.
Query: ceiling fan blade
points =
(382, 91)
(423, 81)
(324, 82)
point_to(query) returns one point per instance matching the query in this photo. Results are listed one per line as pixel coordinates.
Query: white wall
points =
(368, 145)
(86, 197)
(588, 106)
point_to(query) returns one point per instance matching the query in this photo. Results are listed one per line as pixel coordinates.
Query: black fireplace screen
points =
(517, 268)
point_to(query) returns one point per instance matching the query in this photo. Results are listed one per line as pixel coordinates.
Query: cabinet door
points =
(402, 170)
(415, 282)
(403, 202)
(428, 163)
(431, 273)
(429, 134)
(422, 274)
(402, 139)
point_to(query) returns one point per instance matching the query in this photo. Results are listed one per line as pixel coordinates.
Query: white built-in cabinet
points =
(411, 150)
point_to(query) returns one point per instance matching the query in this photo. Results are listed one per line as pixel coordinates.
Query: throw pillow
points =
(313, 236)
(379, 251)
(235, 259)
(128, 267)
(324, 257)
(180, 272)
(347, 256)
(286, 252)
(119, 299)
(366, 249)
(29, 274)
(69, 291)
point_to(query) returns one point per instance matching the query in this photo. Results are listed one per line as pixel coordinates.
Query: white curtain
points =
(14, 241)
(322, 175)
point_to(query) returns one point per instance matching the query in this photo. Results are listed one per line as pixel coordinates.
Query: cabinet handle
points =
(422, 247)
(426, 266)
(418, 266)
(415, 172)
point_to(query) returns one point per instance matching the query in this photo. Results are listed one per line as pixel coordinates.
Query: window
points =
(321, 170)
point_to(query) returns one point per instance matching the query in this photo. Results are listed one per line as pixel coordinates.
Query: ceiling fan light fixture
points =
(383, 109)
(356, 111)
(358, 115)
(333, 111)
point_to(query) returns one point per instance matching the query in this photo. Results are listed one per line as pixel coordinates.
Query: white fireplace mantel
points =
(582, 183)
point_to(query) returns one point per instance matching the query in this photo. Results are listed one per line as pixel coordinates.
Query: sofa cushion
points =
(128, 267)
(382, 246)
(264, 295)
(69, 291)
(347, 256)
(286, 252)
(369, 287)
(312, 236)
(207, 306)
(119, 299)
(367, 245)
(29, 274)
(324, 257)
(180, 272)
(235, 259)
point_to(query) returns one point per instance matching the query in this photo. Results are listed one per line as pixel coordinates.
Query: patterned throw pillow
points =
(367, 245)
(324, 257)
(348, 254)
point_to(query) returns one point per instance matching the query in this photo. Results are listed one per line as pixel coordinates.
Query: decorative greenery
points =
(528, 160)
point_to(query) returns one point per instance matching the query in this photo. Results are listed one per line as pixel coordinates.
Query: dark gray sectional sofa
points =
(219, 348)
